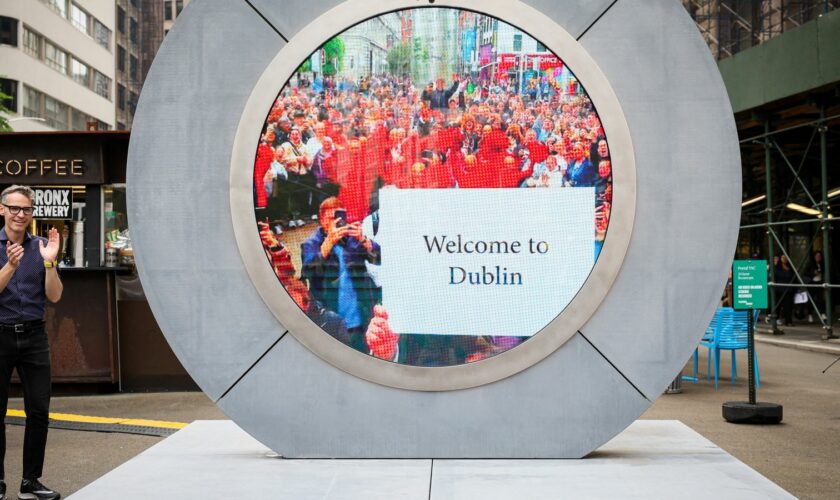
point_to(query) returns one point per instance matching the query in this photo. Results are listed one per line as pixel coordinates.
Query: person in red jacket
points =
(265, 155)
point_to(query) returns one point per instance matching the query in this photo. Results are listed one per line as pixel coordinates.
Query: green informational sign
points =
(749, 284)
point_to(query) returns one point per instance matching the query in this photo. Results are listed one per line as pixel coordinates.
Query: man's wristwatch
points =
(50, 263)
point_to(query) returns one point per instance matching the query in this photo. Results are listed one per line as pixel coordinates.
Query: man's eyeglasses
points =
(16, 210)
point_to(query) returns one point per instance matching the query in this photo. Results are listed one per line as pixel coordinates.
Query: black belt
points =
(23, 326)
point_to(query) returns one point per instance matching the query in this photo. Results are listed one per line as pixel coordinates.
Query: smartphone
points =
(341, 217)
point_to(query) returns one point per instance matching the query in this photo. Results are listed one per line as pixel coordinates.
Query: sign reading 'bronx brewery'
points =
(51, 203)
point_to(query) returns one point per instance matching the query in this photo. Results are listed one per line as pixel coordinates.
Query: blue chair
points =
(730, 333)
(708, 337)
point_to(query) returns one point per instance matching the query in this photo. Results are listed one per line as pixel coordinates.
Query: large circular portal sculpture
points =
(377, 230)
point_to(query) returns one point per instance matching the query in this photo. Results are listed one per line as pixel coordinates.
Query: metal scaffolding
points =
(730, 26)
(791, 156)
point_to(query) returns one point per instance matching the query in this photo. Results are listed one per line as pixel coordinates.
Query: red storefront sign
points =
(547, 60)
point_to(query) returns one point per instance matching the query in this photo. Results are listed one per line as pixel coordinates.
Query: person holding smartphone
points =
(28, 278)
(333, 260)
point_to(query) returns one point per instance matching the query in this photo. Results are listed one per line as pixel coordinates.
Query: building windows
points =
(132, 102)
(80, 72)
(80, 19)
(517, 43)
(541, 47)
(56, 113)
(134, 31)
(120, 96)
(179, 6)
(32, 102)
(120, 19)
(101, 34)
(120, 58)
(134, 63)
(32, 43)
(79, 120)
(55, 57)
(101, 84)
(9, 87)
(8, 31)
(59, 6)
(83, 21)
(167, 10)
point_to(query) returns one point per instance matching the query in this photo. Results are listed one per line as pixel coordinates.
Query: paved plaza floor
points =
(801, 455)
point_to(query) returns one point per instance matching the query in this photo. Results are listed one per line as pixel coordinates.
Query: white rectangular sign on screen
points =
(482, 261)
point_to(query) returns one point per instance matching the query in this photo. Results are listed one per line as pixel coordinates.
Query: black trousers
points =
(29, 352)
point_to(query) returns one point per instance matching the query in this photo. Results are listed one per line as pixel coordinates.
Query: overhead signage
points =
(43, 159)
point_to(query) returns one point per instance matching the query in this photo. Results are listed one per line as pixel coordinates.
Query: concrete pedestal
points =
(650, 459)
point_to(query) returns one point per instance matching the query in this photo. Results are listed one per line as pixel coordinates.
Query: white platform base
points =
(650, 459)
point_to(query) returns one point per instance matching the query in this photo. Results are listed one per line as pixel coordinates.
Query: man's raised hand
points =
(50, 251)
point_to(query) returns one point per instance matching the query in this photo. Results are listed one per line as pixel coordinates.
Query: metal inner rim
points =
(455, 377)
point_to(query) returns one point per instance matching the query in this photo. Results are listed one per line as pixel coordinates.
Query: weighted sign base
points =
(742, 412)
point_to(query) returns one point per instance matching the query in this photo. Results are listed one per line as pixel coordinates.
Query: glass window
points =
(100, 125)
(79, 120)
(517, 43)
(31, 43)
(9, 87)
(120, 96)
(120, 20)
(59, 6)
(167, 10)
(101, 84)
(134, 31)
(8, 31)
(132, 102)
(80, 72)
(101, 34)
(120, 58)
(55, 57)
(31, 102)
(80, 19)
(56, 113)
(133, 65)
(179, 6)
(115, 217)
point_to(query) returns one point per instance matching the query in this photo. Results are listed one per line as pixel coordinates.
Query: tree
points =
(4, 122)
(306, 67)
(399, 59)
(334, 56)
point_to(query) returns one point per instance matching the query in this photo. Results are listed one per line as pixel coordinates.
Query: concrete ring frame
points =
(640, 313)
(460, 376)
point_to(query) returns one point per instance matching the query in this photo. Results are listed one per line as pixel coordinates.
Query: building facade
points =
(128, 64)
(57, 64)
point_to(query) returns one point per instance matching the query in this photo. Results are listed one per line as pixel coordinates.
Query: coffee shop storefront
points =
(103, 336)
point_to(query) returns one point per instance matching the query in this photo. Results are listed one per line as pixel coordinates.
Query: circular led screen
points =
(427, 195)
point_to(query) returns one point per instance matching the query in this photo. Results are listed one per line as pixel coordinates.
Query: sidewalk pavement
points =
(800, 455)
(803, 336)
